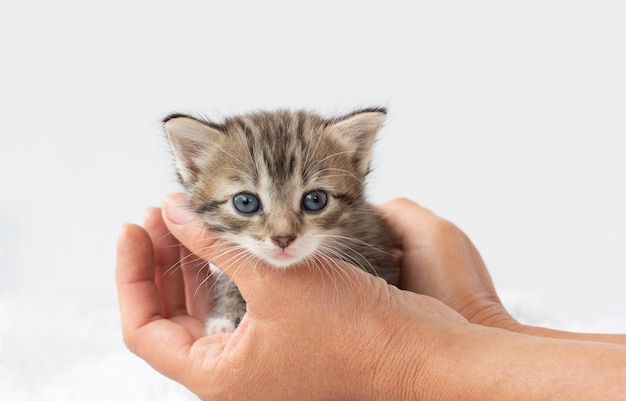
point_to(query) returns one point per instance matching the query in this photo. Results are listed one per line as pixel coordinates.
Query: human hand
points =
(327, 332)
(336, 332)
(440, 261)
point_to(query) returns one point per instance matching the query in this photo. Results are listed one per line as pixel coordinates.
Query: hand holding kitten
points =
(312, 334)
(325, 331)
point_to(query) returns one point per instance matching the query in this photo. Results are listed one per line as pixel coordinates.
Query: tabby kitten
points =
(286, 187)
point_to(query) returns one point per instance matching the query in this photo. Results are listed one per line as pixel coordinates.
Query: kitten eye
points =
(246, 203)
(314, 201)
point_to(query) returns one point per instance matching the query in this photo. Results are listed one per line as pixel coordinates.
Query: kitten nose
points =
(283, 241)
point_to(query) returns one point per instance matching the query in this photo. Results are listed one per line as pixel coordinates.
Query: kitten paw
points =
(216, 325)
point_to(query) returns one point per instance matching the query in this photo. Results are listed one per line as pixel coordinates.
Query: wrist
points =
(438, 366)
(410, 357)
(461, 361)
(448, 360)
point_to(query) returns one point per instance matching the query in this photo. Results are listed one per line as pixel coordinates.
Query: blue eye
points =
(314, 201)
(246, 203)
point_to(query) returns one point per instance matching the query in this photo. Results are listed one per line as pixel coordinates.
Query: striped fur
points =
(279, 156)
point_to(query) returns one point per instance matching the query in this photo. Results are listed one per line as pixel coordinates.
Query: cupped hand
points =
(440, 261)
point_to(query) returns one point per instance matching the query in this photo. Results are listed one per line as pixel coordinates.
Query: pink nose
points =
(283, 241)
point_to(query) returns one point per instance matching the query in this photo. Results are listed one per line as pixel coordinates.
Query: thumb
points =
(192, 233)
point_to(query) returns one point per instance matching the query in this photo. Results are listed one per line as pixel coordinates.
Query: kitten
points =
(286, 187)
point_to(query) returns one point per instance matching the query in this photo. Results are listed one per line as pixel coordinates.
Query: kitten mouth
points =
(283, 258)
(283, 255)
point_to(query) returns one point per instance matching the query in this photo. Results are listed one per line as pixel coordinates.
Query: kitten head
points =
(282, 185)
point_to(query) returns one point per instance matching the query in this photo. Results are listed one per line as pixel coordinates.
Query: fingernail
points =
(177, 210)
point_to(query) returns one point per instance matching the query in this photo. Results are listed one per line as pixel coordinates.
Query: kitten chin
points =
(286, 187)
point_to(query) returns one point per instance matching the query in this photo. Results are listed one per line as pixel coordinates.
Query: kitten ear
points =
(357, 131)
(192, 142)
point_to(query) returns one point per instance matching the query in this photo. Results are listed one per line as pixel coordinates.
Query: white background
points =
(506, 117)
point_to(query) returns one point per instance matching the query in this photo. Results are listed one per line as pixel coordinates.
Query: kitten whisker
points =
(351, 256)
(332, 259)
(347, 240)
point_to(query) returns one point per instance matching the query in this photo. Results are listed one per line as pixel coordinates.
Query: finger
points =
(163, 343)
(137, 292)
(439, 259)
(405, 217)
(168, 275)
(416, 228)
